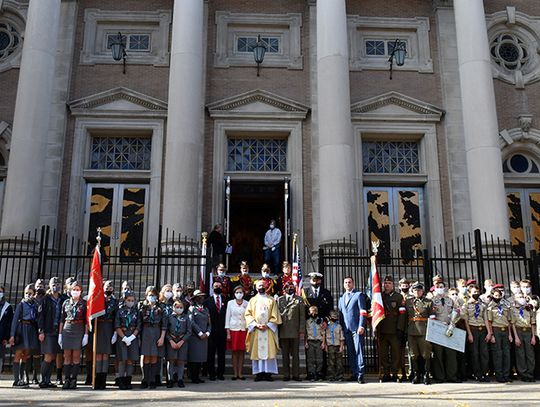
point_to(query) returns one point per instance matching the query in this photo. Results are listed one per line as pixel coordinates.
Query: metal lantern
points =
(399, 52)
(259, 50)
(118, 49)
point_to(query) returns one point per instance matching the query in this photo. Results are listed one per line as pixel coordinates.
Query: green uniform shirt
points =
(499, 315)
(418, 312)
(394, 314)
(474, 312)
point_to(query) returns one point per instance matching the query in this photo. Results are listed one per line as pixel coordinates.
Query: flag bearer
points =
(105, 336)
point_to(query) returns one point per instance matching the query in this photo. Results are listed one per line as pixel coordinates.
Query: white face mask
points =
(245, 273)
(239, 296)
(75, 294)
(439, 291)
(1, 296)
(151, 298)
(168, 295)
(526, 290)
(462, 290)
(265, 274)
(272, 226)
(28, 296)
(221, 273)
(179, 310)
(521, 301)
(488, 289)
(178, 294)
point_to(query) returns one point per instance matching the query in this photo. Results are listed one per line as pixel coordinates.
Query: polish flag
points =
(377, 306)
(95, 306)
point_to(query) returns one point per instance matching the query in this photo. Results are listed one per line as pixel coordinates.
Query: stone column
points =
(32, 116)
(185, 120)
(336, 143)
(484, 167)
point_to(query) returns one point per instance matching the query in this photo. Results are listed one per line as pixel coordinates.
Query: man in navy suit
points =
(217, 307)
(353, 313)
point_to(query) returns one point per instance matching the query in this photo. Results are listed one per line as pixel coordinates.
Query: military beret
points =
(470, 282)
(418, 286)
(498, 286)
(389, 278)
(404, 281)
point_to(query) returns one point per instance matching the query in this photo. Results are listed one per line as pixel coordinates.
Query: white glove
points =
(85, 340)
(60, 340)
(114, 338)
(125, 340)
(131, 338)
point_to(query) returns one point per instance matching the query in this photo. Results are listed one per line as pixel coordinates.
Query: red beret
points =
(469, 282)
(499, 286)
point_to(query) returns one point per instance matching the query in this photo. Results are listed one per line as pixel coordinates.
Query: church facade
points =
(185, 130)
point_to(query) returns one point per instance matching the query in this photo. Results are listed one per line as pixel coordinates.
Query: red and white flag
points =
(202, 277)
(377, 306)
(297, 276)
(95, 306)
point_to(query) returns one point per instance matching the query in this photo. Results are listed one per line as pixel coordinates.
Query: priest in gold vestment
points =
(262, 342)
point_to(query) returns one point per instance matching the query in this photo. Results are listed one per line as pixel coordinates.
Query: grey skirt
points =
(28, 338)
(50, 345)
(177, 354)
(124, 352)
(72, 336)
(149, 338)
(104, 335)
(198, 349)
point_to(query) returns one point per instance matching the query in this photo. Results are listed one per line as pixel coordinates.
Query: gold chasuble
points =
(262, 345)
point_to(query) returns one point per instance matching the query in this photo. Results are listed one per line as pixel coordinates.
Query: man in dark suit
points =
(353, 315)
(217, 307)
(318, 296)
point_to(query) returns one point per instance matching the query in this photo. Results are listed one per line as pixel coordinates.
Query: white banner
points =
(436, 333)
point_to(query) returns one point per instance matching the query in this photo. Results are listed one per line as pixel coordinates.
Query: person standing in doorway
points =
(217, 242)
(272, 241)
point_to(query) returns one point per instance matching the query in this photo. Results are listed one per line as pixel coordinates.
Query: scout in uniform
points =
(419, 310)
(245, 280)
(6, 318)
(198, 341)
(127, 323)
(269, 282)
(444, 362)
(315, 343)
(152, 338)
(226, 284)
(390, 332)
(500, 319)
(166, 301)
(334, 347)
(105, 336)
(73, 334)
(524, 333)
(34, 363)
(49, 315)
(177, 328)
(24, 334)
(478, 333)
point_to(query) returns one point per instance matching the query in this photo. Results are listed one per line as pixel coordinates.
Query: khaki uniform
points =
(390, 331)
(474, 314)
(314, 352)
(445, 366)
(524, 320)
(500, 316)
(418, 312)
(334, 341)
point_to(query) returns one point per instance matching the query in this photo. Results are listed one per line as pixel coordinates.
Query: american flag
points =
(297, 276)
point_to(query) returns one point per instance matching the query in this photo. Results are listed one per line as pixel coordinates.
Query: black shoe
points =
(152, 385)
(51, 385)
(181, 384)
(258, 377)
(385, 379)
(286, 378)
(500, 380)
(241, 378)
(212, 378)
(72, 384)
(128, 383)
(65, 386)
(221, 377)
(297, 379)
(43, 385)
(157, 381)
(484, 379)
(234, 378)
(144, 384)
(268, 377)
(88, 380)
(361, 380)
(169, 384)
(427, 379)
(122, 383)
(117, 381)
(415, 379)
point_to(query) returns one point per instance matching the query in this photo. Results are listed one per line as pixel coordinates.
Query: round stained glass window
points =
(509, 51)
(9, 40)
(519, 163)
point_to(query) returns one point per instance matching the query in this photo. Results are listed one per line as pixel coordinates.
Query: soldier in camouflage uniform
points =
(419, 310)
(391, 331)
(500, 318)
(524, 333)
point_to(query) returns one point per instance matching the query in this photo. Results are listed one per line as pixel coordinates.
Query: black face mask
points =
(497, 299)
(217, 290)
(261, 290)
(475, 296)
(404, 290)
(291, 291)
(40, 291)
(108, 293)
(316, 285)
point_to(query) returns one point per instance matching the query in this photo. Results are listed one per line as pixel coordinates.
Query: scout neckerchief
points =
(33, 307)
(152, 316)
(177, 327)
(521, 311)
(57, 308)
(476, 310)
(128, 318)
(332, 327)
(314, 329)
(500, 310)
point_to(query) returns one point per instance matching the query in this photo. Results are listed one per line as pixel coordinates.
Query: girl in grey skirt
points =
(200, 331)
(178, 331)
(127, 323)
(152, 338)
(105, 336)
(73, 335)
(24, 335)
(50, 311)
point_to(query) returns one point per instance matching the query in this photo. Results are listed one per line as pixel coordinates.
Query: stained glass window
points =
(520, 164)
(390, 157)
(121, 153)
(380, 48)
(9, 40)
(133, 42)
(246, 44)
(509, 51)
(257, 155)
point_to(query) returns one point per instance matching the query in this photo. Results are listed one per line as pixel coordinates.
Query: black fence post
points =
(43, 243)
(533, 272)
(321, 260)
(428, 270)
(159, 254)
(479, 256)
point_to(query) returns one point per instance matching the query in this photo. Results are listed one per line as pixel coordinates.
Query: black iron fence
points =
(46, 253)
(473, 256)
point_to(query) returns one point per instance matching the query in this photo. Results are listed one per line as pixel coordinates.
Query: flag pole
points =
(94, 342)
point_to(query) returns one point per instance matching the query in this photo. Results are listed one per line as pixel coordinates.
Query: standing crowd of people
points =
(180, 330)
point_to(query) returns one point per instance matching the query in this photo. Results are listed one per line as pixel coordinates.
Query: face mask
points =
(476, 296)
(521, 301)
(497, 300)
(40, 291)
(291, 291)
(454, 296)
(108, 293)
(265, 274)
(75, 294)
(56, 289)
(151, 298)
(245, 273)
(404, 290)
(1, 296)
(272, 226)
(462, 290)
(178, 294)
(239, 296)
(526, 290)
(487, 288)
(313, 315)
(221, 273)
(316, 285)
(439, 291)
(130, 304)
(261, 290)
(218, 290)
(198, 300)
(515, 290)
(28, 296)
(168, 295)
(179, 310)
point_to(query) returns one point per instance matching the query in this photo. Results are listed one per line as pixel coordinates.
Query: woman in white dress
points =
(235, 324)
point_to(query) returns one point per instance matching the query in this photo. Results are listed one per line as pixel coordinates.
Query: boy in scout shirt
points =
(334, 347)
(478, 333)
(419, 310)
(524, 334)
(499, 316)
(315, 343)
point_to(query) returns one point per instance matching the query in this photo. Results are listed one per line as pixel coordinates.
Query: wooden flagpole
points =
(94, 344)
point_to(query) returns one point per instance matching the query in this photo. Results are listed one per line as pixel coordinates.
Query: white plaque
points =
(436, 333)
